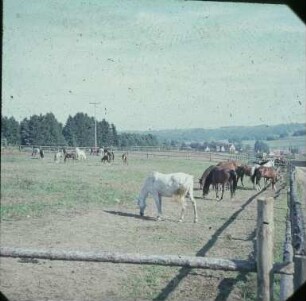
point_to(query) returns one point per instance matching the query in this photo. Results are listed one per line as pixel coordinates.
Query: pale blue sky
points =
(154, 64)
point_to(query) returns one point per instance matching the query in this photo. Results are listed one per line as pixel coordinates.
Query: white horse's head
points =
(141, 202)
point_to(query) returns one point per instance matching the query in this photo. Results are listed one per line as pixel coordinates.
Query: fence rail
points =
(165, 260)
(162, 152)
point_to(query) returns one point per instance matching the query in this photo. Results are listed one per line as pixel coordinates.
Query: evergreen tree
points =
(68, 132)
(10, 130)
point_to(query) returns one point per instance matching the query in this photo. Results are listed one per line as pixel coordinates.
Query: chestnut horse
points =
(268, 173)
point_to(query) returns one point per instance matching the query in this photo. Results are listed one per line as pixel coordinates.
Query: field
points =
(91, 206)
(284, 143)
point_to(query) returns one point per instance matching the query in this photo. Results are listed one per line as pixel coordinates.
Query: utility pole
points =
(95, 105)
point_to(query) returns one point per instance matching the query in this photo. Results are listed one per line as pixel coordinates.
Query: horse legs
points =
(158, 202)
(190, 195)
(258, 187)
(183, 202)
(241, 180)
(222, 193)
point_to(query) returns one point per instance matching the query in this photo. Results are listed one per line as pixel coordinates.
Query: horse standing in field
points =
(41, 153)
(57, 156)
(38, 151)
(106, 158)
(219, 175)
(124, 158)
(268, 173)
(204, 175)
(68, 155)
(243, 170)
(178, 185)
(80, 154)
(35, 151)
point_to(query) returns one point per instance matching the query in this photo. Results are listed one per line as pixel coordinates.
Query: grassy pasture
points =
(71, 206)
(30, 186)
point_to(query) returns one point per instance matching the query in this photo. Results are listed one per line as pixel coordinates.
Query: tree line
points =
(78, 131)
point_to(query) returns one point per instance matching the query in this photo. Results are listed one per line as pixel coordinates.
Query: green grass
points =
(33, 186)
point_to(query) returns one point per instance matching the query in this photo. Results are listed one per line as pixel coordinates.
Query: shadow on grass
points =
(183, 272)
(126, 214)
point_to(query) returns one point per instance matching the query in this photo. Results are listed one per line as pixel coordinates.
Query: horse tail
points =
(234, 181)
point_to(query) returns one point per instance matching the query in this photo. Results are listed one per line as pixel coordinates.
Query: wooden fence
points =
(263, 265)
(161, 152)
(298, 231)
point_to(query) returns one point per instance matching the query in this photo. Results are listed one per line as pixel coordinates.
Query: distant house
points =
(207, 149)
(222, 148)
(232, 148)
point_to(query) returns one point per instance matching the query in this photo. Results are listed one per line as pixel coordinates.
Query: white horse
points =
(158, 185)
(80, 155)
(35, 151)
(58, 155)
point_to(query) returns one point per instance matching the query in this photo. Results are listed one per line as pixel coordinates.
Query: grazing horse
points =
(268, 173)
(80, 155)
(68, 155)
(204, 175)
(35, 151)
(220, 175)
(57, 156)
(124, 158)
(106, 158)
(178, 185)
(243, 170)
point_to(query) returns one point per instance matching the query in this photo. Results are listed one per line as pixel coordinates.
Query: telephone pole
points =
(95, 105)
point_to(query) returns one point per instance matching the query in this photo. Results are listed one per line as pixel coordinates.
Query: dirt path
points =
(225, 229)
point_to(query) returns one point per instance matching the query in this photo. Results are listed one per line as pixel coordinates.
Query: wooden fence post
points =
(286, 284)
(299, 270)
(265, 249)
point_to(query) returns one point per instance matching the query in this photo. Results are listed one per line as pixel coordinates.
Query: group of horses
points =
(180, 185)
(229, 172)
(77, 154)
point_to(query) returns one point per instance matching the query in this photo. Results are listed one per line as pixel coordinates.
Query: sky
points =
(154, 65)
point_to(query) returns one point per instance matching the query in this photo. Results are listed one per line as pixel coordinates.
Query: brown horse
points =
(219, 175)
(68, 155)
(268, 173)
(232, 165)
(204, 175)
(243, 170)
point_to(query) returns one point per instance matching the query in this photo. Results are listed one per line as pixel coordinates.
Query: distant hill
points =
(260, 132)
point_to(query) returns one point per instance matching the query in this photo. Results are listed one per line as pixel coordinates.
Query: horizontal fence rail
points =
(165, 260)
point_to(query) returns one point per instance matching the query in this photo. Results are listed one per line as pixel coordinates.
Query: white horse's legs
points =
(157, 199)
(194, 204)
(183, 202)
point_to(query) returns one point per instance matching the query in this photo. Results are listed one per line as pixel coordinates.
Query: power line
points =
(95, 106)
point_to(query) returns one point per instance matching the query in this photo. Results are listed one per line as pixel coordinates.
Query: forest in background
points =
(79, 131)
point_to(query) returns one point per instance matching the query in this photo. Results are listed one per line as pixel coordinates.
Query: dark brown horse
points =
(204, 175)
(243, 170)
(68, 155)
(219, 175)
